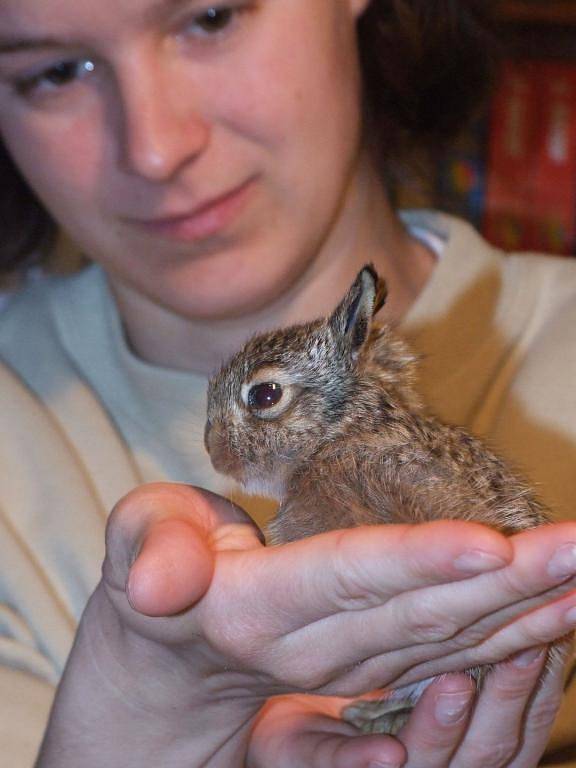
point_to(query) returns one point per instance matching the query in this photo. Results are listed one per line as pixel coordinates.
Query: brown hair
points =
(426, 66)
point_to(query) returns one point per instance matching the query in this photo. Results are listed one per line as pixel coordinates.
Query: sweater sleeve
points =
(51, 533)
(25, 700)
(34, 637)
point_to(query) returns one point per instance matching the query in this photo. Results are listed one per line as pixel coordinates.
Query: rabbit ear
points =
(352, 318)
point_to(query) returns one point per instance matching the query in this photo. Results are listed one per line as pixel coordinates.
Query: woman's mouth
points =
(205, 220)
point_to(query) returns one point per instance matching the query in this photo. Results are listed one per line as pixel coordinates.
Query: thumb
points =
(173, 569)
(307, 730)
(160, 545)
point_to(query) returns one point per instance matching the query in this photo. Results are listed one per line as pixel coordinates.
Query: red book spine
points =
(511, 151)
(553, 173)
(531, 185)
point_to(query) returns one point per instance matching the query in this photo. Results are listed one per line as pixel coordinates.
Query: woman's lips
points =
(206, 220)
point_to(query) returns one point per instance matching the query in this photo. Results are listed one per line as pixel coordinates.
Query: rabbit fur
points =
(324, 418)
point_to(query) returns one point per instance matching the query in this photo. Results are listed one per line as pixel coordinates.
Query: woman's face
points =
(201, 152)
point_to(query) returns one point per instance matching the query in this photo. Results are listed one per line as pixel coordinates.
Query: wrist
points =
(127, 700)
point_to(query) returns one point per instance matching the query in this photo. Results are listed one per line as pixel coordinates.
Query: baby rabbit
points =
(324, 417)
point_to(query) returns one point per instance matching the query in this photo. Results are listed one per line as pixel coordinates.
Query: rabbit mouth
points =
(253, 482)
(255, 477)
(227, 464)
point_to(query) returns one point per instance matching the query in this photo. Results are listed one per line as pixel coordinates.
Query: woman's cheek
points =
(62, 162)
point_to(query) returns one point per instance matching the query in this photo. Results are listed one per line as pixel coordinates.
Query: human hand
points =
(507, 726)
(216, 624)
(392, 583)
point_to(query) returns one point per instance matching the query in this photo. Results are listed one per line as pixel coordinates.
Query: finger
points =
(350, 668)
(542, 710)
(362, 568)
(534, 578)
(438, 722)
(160, 541)
(132, 517)
(173, 570)
(543, 625)
(295, 731)
(339, 573)
(344, 571)
(500, 712)
(451, 621)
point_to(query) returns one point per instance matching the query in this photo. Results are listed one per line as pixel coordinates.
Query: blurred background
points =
(513, 172)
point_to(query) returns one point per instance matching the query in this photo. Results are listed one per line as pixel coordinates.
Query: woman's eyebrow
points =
(16, 45)
(149, 15)
(160, 8)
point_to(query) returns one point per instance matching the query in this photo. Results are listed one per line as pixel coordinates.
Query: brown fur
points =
(354, 445)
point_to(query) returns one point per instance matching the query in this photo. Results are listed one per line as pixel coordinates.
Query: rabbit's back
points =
(413, 470)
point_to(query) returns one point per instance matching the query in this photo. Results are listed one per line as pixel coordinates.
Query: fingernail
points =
(570, 616)
(526, 658)
(478, 561)
(451, 708)
(377, 764)
(563, 562)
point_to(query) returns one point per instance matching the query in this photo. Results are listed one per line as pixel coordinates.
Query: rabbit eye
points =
(266, 395)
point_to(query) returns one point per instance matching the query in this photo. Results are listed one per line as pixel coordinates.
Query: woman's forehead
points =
(66, 17)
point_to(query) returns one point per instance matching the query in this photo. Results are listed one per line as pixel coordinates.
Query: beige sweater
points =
(83, 421)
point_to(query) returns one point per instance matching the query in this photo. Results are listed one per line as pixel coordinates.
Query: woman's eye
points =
(57, 76)
(217, 20)
(263, 396)
(214, 19)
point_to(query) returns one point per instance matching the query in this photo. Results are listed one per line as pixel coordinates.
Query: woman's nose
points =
(163, 125)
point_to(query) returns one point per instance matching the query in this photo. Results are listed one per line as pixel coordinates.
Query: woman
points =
(218, 164)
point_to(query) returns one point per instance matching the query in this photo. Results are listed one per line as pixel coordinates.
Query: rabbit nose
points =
(213, 439)
(222, 457)
(207, 430)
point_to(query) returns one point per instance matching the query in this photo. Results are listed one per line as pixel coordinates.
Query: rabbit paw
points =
(386, 715)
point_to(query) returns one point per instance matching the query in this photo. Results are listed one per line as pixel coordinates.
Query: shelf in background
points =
(513, 173)
(556, 12)
(538, 28)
